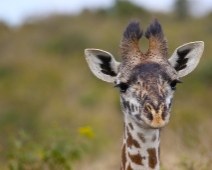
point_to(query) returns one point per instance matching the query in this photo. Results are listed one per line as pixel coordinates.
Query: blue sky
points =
(14, 12)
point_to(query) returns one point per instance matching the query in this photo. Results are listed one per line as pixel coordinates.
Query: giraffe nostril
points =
(148, 107)
(162, 106)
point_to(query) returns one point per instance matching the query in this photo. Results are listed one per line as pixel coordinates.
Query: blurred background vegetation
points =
(56, 115)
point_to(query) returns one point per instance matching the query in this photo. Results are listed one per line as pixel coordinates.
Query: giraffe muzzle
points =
(156, 116)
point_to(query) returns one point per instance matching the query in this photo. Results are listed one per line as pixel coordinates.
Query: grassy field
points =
(56, 115)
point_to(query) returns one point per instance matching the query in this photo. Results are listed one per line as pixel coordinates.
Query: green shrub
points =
(58, 151)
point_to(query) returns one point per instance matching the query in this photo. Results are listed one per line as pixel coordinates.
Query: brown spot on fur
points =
(131, 126)
(131, 141)
(138, 116)
(154, 137)
(124, 159)
(152, 157)
(141, 137)
(129, 167)
(137, 159)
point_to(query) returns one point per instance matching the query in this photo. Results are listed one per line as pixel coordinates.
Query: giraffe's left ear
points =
(102, 64)
(186, 57)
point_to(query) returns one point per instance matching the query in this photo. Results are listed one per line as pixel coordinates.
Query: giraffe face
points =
(146, 80)
(146, 92)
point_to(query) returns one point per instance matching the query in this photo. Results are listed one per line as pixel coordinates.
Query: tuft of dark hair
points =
(154, 29)
(133, 31)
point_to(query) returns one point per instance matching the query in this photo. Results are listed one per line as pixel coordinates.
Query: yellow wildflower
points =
(86, 131)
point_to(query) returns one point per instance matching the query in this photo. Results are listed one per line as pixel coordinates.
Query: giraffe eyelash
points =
(173, 83)
(123, 87)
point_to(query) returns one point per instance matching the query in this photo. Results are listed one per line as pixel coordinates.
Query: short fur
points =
(154, 30)
(133, 31)
(129, 44)
(157, 40)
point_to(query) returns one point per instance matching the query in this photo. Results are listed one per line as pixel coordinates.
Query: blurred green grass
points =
(44, 80)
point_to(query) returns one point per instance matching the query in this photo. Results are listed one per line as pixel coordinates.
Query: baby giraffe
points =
(147, 82)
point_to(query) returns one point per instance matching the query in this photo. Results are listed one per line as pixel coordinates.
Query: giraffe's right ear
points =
(102, 64)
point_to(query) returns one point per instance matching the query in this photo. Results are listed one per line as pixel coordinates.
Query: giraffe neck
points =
(140, 150)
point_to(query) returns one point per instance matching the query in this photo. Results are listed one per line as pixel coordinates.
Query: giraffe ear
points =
(186, 57)
(102, 64)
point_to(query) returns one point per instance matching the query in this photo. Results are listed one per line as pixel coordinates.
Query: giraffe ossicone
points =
(147, 82)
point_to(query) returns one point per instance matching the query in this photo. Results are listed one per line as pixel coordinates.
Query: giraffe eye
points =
(123, 87)
(174, 83)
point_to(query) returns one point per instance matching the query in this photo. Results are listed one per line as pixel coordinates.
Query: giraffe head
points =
(147, 81)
